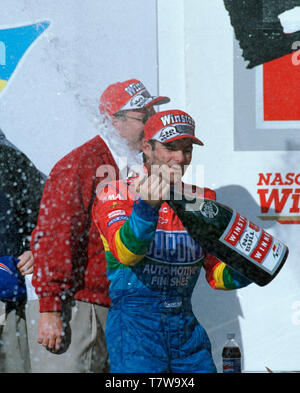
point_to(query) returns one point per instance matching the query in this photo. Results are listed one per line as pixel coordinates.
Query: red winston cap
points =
(126, 96)
(169, 126)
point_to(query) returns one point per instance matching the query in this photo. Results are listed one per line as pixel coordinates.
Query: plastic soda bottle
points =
(231, 355)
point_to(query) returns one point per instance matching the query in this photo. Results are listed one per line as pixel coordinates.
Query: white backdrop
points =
(51, 106)
(266, 320)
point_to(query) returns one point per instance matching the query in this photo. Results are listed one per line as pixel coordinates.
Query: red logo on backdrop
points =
(279, 195)
(281, 80)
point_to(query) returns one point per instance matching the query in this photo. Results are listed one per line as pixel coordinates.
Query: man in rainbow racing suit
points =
(153, 263)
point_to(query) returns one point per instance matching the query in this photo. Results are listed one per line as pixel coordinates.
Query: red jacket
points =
(68, 253)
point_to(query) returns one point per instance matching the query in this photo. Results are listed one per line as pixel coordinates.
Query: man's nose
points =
(178, 156)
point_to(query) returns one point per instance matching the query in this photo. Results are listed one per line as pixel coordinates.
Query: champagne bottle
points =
(231, 237)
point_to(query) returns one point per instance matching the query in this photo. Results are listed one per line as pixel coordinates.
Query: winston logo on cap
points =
(14, 42)
(170, 118)
(134, 88)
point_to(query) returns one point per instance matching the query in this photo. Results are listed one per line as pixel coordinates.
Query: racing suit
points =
(153, 265)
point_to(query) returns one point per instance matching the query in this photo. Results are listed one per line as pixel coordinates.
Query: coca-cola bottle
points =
(230, 237)
(231, 355)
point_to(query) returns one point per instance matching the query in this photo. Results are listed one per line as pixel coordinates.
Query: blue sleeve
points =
(143, 219)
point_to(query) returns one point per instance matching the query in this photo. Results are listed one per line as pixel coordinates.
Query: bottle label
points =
(232, 365)
(254, 243)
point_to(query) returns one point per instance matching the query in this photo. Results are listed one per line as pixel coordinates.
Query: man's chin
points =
(175, 182)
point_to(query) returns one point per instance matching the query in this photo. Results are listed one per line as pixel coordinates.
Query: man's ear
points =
(146, 148)
(115, 121)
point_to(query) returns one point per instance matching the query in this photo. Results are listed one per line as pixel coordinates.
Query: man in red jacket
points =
(70, 268)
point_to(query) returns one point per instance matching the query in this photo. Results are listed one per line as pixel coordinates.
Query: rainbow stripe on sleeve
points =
(220, 276)
(128, 248)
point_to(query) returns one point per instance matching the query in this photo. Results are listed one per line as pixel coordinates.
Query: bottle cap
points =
(230, 336)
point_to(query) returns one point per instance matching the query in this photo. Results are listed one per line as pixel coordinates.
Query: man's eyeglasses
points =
(143, 119)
